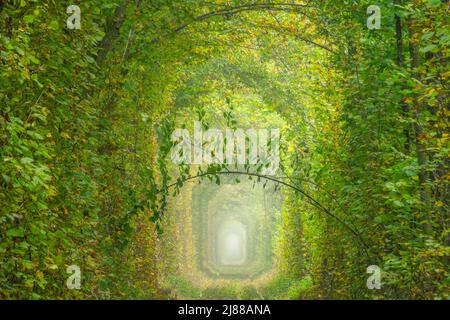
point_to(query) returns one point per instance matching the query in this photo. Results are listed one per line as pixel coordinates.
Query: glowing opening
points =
(232, 243)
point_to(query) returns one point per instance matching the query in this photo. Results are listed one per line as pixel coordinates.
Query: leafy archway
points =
(87, 115)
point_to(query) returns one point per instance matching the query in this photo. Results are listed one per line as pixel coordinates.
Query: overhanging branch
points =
(245, 7)
(312, 201)
(292, 7)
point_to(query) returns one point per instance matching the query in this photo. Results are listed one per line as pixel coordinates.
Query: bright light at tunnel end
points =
(232, 244)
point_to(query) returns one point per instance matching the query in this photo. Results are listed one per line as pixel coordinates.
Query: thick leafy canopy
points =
(86, 118)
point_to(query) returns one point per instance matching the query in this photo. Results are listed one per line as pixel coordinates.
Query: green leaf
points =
(28, 18)
(431, 48)
(16, 232)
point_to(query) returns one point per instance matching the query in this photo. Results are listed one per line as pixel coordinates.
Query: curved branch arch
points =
(311, 200)
(249, 79)
(242, 8)
(229, 11)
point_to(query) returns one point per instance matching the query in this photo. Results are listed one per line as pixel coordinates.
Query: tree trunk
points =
(422, 157)
(112, 31)
(400, 63)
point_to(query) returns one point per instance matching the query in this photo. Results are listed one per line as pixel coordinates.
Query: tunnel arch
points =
(231, 11)
(234, 69)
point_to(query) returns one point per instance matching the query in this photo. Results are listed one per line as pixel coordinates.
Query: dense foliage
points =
(86, 118)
